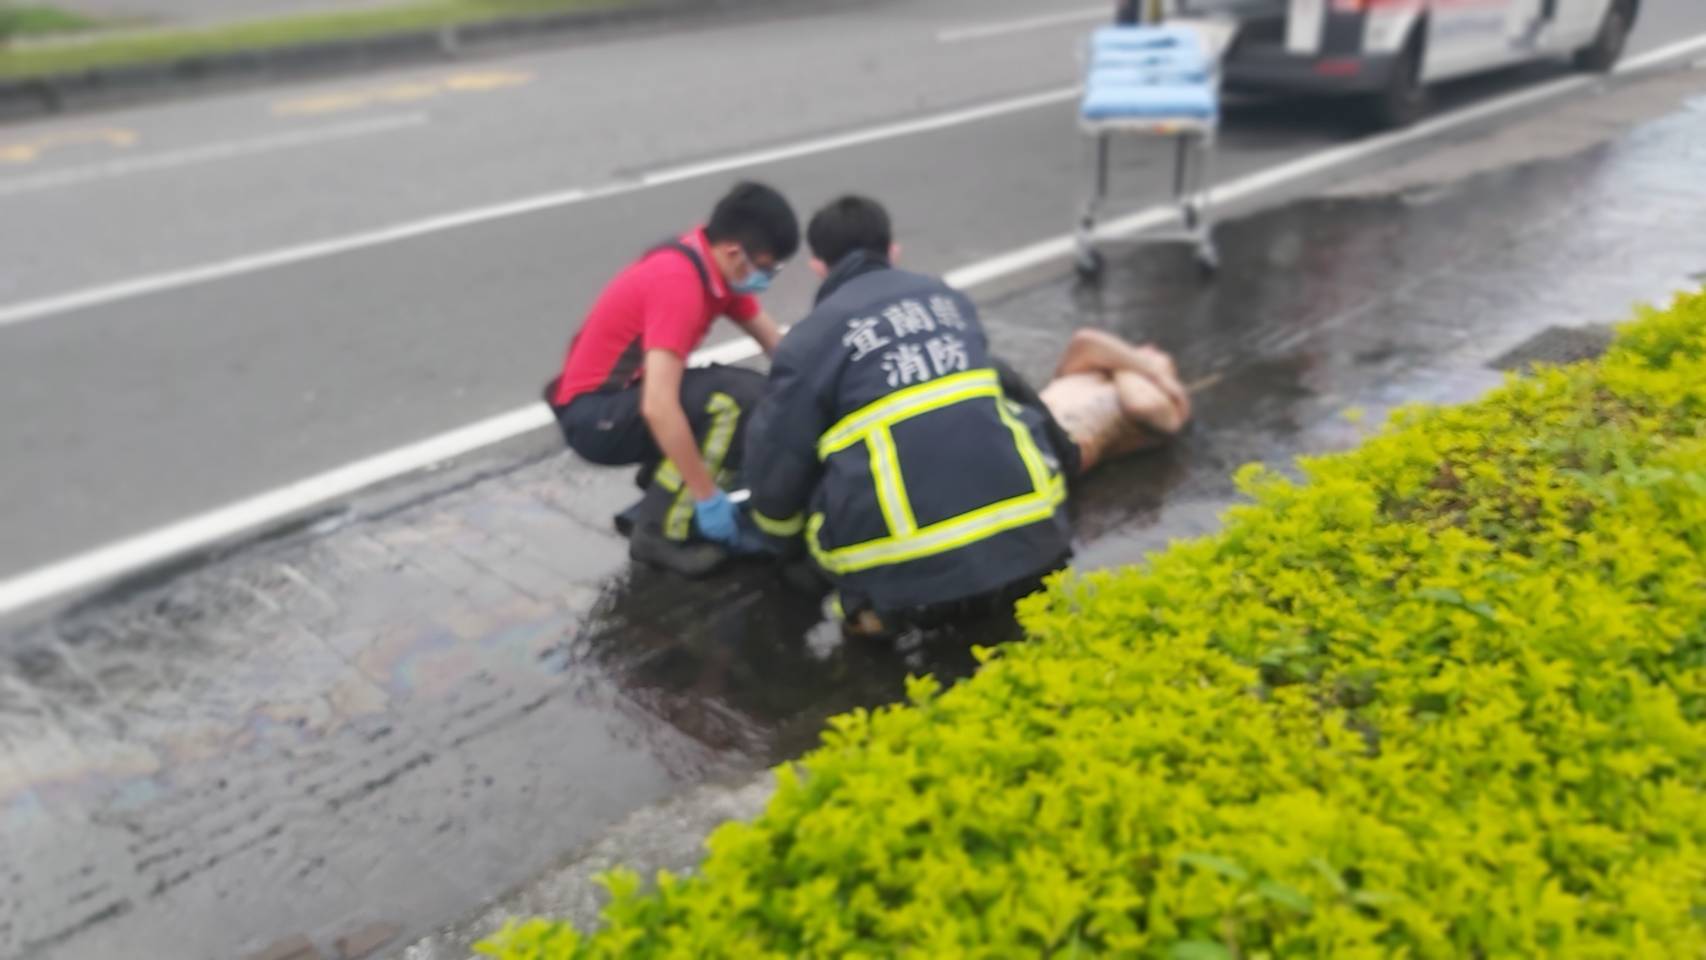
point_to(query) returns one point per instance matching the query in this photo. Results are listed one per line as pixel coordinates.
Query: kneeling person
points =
(884, 436)
(627, 396)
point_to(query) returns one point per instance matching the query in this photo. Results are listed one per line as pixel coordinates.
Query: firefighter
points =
(627, 396)
(885, 440)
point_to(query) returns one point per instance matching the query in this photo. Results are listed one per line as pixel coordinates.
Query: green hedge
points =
(34, 20)
(1445, 698)
(169, 43)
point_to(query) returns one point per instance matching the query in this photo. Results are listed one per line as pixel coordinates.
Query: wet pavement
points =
(377, 724)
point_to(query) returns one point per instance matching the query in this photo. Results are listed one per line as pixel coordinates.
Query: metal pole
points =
(1101, 165)
(1181, 167)
(1130, 12)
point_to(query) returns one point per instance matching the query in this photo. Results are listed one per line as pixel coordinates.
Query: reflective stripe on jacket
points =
(885, 436)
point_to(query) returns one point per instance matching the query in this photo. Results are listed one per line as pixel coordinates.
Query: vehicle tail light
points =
(1338, 67)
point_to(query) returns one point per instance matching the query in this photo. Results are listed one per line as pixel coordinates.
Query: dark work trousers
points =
(607, 428)
(996, 603)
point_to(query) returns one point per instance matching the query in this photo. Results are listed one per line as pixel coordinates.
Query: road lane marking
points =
(207, 153)
(29, 151)
(217, 526)
(857, 138)
(482, 81)
(31, 310)
(408, 91)
(199, 532)
(1679, 50)
(1025, 24)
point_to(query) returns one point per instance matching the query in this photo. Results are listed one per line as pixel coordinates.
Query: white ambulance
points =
(1390, 51)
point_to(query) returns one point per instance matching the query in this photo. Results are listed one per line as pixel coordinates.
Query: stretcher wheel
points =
(1208, 261)
(1089, 263)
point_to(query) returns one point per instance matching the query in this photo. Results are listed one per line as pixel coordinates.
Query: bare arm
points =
(1093, 351)
(660, 404)
(765, 332)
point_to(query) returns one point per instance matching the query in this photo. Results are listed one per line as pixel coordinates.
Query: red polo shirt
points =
(657, 303)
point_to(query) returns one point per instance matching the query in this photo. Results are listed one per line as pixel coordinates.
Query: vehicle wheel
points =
(1607, 47)
(1405, 96)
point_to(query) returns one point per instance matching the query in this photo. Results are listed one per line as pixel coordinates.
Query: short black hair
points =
(758, 218)
(848, 225)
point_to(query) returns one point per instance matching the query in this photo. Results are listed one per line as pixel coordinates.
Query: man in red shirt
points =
(627, 396)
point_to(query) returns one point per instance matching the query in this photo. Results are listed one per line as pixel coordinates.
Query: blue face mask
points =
(756, 281)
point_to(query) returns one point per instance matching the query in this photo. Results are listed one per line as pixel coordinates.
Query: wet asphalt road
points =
(400, 714)
(143, 409)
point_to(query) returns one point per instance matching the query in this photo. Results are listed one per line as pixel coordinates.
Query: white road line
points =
(207, 529)
(887, 131)
(1026, 24)
(31, 310)
(1654, 58)
(204, 530)
(207, 153)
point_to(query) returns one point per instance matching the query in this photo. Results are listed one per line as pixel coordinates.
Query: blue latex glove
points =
(716, 518)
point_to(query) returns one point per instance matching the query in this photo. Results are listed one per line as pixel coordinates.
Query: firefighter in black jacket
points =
(885, 438)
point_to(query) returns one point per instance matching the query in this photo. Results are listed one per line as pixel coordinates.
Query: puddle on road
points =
(398, 719)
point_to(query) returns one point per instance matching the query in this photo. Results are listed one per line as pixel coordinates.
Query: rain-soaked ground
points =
(376, 725)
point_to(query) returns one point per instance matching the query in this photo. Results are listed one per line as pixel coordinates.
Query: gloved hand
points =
(715, 516)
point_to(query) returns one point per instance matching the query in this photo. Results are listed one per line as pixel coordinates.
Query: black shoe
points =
(692, 558)
(628, 519)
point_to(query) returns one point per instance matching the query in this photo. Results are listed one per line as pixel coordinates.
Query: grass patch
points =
(169, 45)
(37, 21)
(1445, 698)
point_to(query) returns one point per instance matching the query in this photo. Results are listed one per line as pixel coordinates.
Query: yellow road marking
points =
(479, 81)
(28, 151)
(404, 92)
(489, 80)
(325, 103)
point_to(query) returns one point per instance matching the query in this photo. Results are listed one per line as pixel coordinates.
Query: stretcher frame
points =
(1194, 148)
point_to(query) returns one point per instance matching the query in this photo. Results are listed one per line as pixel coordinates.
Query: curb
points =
(26, 97)
(667, 835)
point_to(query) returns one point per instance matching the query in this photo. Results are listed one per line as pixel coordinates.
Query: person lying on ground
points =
(1113, 398)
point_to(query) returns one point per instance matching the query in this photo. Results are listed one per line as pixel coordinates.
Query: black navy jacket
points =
(885, 437)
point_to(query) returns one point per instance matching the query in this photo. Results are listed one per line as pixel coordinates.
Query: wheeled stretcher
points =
(1152, 80)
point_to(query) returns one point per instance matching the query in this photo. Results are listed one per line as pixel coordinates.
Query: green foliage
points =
(533, 938)
(168, 44)
(1444, 698)
(33, 19)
